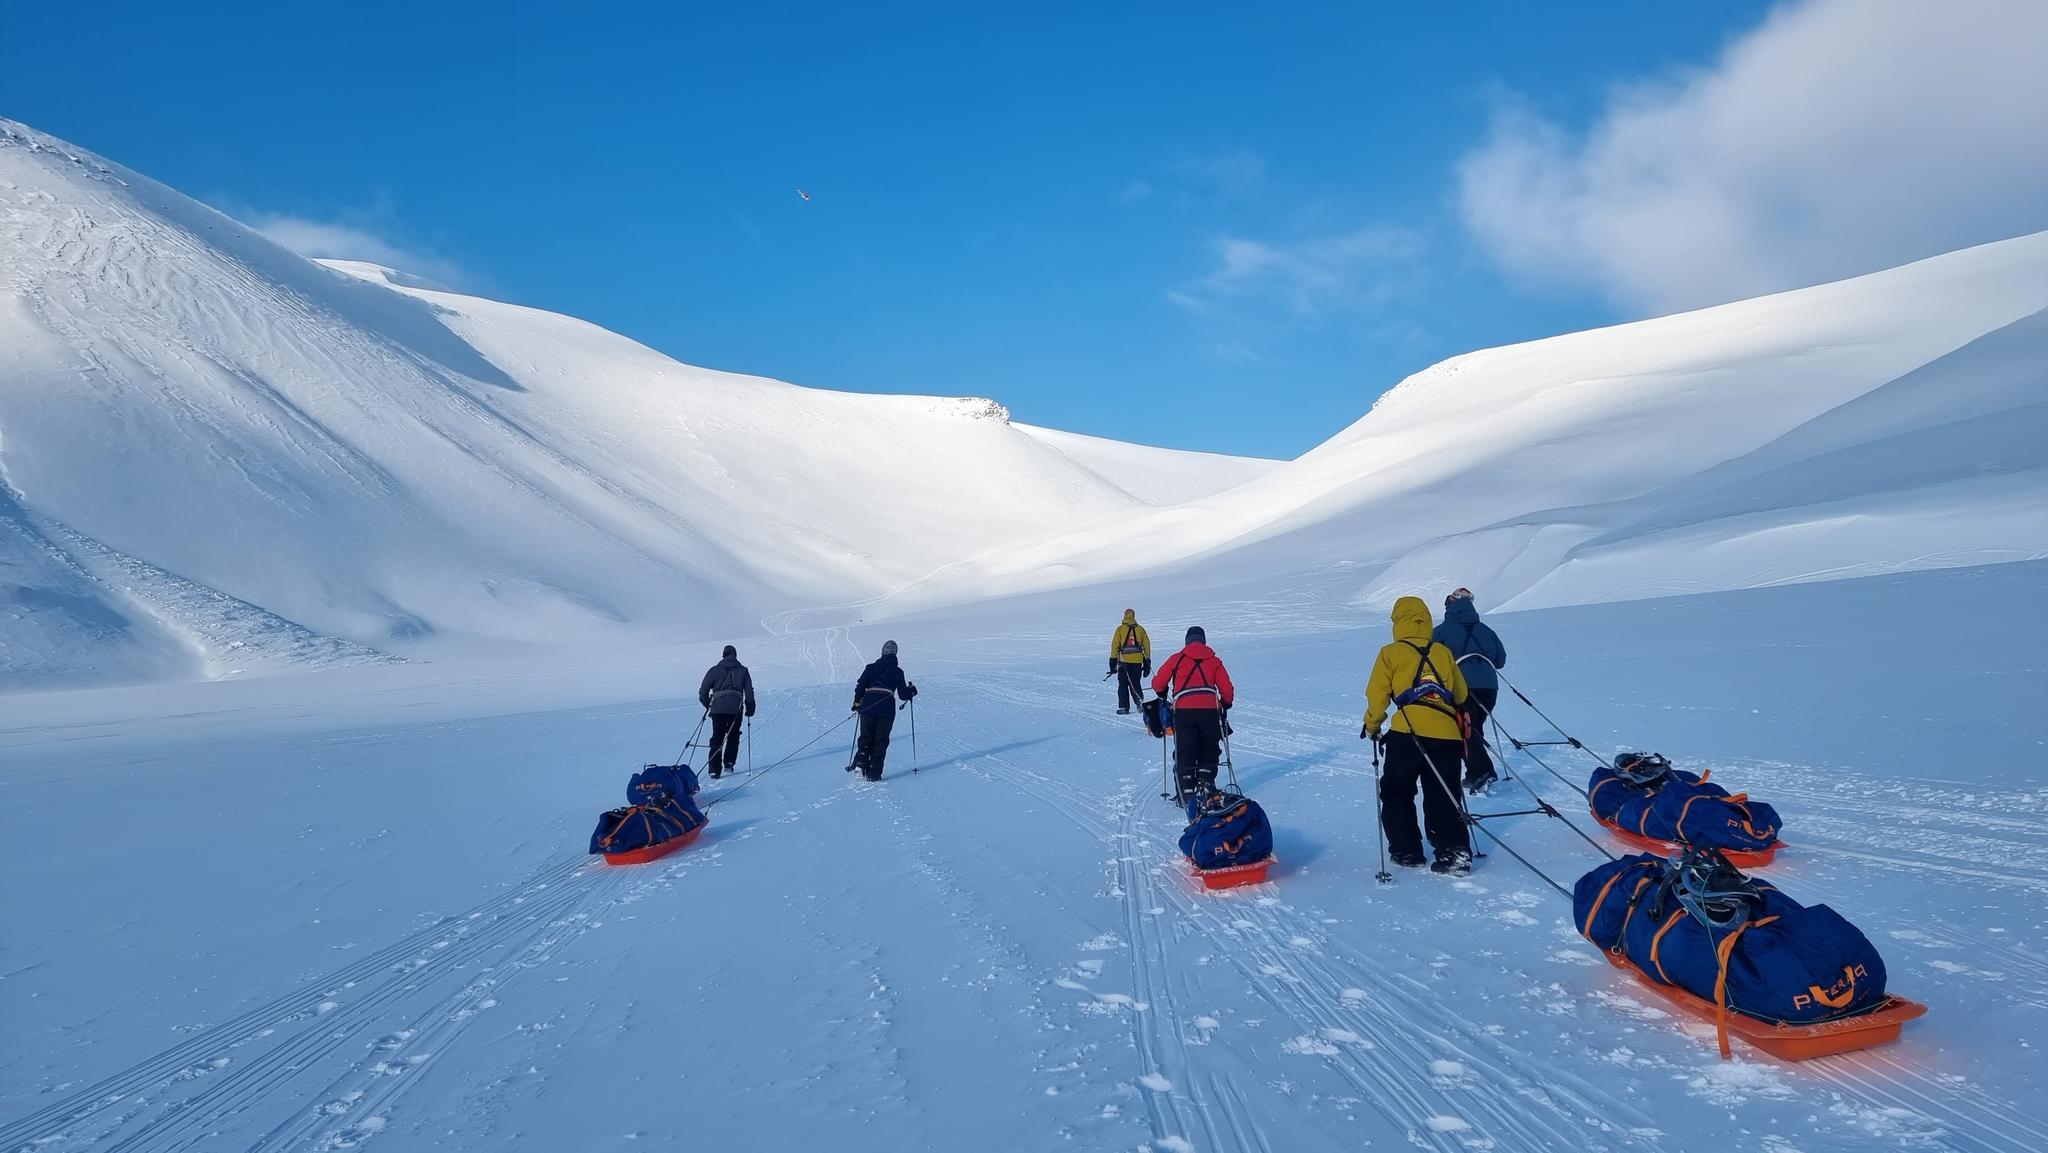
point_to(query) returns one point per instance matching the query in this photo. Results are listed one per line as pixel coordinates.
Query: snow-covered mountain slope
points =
(218, 458)
(1149, 474)
(1874, 424)
(216, 455)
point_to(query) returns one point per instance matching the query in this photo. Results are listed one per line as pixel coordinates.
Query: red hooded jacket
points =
(1189, 675)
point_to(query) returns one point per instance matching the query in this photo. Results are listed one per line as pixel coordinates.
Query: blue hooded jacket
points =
(1464, 633)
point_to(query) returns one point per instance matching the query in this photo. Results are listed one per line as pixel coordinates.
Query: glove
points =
(909, 692)
(750, 709)
(855, 708)
(1112, 664)
(1148, 667)
(1366, 733)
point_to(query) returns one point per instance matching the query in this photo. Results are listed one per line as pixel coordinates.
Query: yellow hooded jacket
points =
(1400, 666)
(1129, 634)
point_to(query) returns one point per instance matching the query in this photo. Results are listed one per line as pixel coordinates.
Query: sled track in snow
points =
(136, 1110)
(1969, 1119)
(1307, 990)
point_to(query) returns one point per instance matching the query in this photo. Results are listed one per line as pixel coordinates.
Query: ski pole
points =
(750, 743)
(1379, 829)
(683, 756)
(1223, 717)
(913, 736)
(1166, 789)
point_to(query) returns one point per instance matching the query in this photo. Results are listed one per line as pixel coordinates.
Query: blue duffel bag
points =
(1697, 923)
(1225, 829)
(1643, 794)
(653, 782)
(638, 826)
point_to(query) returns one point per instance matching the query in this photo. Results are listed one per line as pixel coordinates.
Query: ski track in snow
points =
(256, 1053)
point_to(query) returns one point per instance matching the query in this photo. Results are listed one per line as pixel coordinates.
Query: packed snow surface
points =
(354, 908)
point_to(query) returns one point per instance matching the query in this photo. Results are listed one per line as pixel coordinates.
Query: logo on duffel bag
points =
(1835, 996)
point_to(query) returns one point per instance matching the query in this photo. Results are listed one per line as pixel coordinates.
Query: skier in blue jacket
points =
(1479, 652)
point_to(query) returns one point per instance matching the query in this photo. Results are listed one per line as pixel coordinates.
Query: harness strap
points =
(1174, 675)
(1721, 956)
(1436, 700)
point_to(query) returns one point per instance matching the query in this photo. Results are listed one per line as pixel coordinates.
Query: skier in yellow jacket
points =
(1130, 660)
(1420, 680)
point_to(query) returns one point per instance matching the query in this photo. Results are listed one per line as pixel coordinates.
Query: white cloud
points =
(1350, 269)
(1839, 137)
(331, 240)
(1135, 191)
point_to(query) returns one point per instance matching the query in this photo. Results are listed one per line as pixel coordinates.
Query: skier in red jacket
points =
(1195, 680)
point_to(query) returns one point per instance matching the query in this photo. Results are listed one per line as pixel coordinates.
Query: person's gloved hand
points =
(1365, 733)
(910, 692)
(1112, 664)
(855, 708)
(750, 708)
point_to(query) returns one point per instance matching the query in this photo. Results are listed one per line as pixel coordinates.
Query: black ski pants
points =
(1478, 761)
(725, 740)
(1197, 747)
(1130, 685)
(872, 746)
(1408, 765)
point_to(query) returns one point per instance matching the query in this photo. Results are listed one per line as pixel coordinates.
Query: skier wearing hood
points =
(727, 693)
(1195, 680)
(874, 698)
(1130, 660)
(1479, 651)
(1420, 681)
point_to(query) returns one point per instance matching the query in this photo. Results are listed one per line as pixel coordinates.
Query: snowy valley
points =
(334, 606)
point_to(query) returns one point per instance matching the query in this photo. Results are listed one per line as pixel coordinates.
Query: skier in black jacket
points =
(727, 693)
(874, 698)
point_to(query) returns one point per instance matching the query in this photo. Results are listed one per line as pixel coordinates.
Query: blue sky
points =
(1214, 226)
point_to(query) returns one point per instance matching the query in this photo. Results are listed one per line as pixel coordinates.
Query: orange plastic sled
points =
(1880, 1026)
(650, 852)
(1741, 859)
(1231, 876)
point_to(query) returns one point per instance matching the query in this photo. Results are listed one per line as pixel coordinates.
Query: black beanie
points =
(1196, 635)
(731, 651)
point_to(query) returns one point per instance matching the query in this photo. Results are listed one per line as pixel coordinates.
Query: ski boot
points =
(1452, 864)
